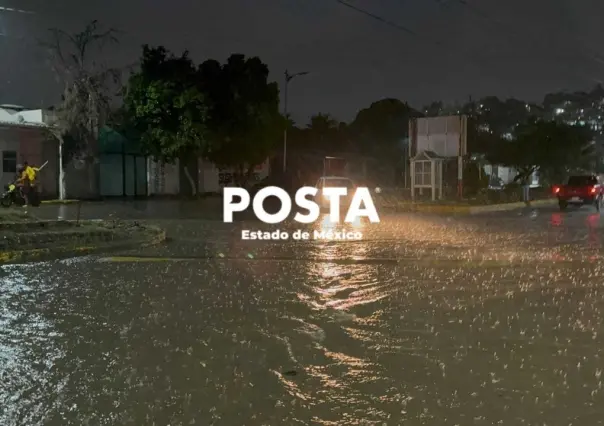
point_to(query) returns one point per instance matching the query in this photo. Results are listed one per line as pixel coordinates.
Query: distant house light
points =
(559, 111)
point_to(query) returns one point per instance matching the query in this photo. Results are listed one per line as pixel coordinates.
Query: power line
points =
(445, 3)
(408, 31)
(512, 30)
(379, 18)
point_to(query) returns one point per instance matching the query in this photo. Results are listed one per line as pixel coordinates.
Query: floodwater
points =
(428, 321)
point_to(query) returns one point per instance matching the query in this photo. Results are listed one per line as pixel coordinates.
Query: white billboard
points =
(445, 136)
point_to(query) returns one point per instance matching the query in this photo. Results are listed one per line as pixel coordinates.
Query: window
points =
(9, 161)
(423, 173)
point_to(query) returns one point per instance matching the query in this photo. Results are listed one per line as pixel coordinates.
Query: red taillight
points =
(592, 190)
(556, 189)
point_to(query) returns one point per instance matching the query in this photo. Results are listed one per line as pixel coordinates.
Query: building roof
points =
(330, 177)
(13, 107)
(26, 124)
(427, 156)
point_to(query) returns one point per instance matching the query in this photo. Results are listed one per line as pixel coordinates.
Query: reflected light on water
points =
(326, 224)
(556, 219)
(593, 222)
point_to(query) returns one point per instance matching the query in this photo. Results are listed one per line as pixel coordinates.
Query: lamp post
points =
(288, 77)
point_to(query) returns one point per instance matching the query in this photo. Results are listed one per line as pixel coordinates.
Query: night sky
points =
(431, 50)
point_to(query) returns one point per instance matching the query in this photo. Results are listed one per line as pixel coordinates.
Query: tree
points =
(165, 105)
(322, 133)
(86, 97)
(322, 124)
(381, 128)
(244, 120)
(433, 109)
(552, 148)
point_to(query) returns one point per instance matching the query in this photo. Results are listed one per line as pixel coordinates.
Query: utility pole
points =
(288, 77)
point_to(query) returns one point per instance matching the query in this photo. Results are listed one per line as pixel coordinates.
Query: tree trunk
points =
(190, 179)
(93, 176)
(62, 183)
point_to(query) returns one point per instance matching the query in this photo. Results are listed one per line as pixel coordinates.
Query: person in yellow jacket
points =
(26, 180)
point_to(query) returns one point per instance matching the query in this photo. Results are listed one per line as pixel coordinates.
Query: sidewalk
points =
(394, 205)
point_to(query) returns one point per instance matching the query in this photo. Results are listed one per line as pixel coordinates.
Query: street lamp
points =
(288, 77)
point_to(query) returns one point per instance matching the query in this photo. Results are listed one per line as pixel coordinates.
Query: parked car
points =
(580, 190)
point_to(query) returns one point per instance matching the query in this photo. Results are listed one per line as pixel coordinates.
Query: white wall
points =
(34, 116)
(507, 174)
(163, 178)
(8, 115)
(442, 135)
(213, 179)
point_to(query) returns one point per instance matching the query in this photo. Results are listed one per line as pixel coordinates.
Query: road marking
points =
(403, 261)
(248, 257)
(131, 259)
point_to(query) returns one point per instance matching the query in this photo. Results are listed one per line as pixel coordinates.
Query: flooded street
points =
(485, 320)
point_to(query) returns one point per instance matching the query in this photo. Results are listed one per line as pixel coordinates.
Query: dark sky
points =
(512, 48)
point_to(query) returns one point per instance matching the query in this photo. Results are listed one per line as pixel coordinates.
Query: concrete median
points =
(51, 202)
(393, 203)
(45, 240)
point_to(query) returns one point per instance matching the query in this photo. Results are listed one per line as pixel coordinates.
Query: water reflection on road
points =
(430, 326)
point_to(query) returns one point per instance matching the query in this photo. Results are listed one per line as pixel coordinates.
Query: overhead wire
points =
(473, 58)
(512, 30)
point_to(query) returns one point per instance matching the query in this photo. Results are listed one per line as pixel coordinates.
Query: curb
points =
(41, 224)
(51, 202)
(36, 255)
(463, 209)
(510, 206)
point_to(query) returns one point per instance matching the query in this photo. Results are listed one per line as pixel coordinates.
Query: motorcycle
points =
(13, 195)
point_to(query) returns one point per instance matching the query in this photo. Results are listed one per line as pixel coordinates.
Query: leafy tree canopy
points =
(87, 91)
(550, 147)
(381, 128)
(244, 120)
(165, 105)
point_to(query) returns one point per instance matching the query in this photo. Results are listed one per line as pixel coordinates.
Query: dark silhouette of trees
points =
(552, 148)
(381, 129)
(164, 103)
(244, 120)
(88, 89)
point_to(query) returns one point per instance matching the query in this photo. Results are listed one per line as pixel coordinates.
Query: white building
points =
(24, 137)
(167, 179)
(501, 176)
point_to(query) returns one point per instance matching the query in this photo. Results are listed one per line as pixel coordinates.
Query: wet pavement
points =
(429, 320)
